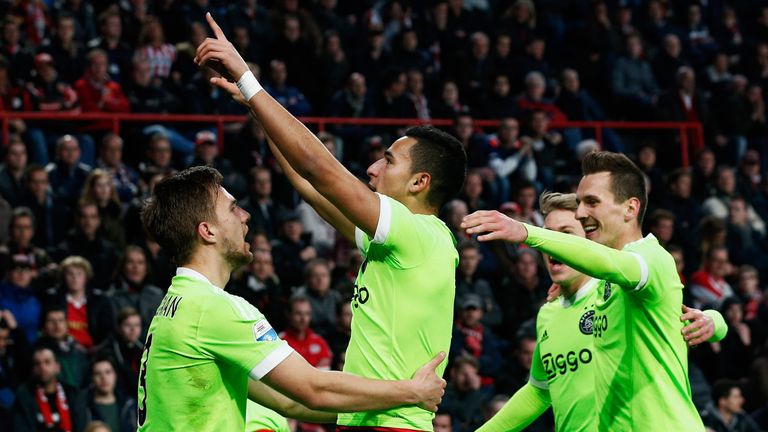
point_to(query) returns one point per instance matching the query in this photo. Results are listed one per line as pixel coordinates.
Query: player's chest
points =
(565, 343)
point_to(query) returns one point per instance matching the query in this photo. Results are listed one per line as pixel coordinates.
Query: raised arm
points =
(586, 256)
(525, 406)
(343, 392)
(303, 151)
(324, 208)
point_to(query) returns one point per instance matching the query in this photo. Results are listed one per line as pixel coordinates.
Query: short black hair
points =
(443, 157)
(627, 181)
(722, 389)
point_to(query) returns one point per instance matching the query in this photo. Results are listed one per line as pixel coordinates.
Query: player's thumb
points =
(225, 85)
(435, 362)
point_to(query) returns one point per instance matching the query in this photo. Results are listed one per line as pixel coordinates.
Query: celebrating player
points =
(203, 344)
(403, 300)
(562, 368)
(641, 362)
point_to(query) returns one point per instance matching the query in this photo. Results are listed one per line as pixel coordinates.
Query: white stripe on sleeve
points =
(643, 271)
(385, 220)
(270, 361)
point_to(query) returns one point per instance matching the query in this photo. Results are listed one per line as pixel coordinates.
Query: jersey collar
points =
(193, 274)
(585, 289)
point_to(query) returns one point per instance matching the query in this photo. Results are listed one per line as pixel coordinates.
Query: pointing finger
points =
(215, 27)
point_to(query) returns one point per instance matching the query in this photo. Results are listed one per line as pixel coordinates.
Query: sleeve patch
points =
(263, 332)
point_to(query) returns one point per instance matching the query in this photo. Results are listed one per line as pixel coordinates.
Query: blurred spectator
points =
(16, 295)
(12, 172)
(373, 58)
(45, 403)
(50, 220)
(294, 48)
(153, 47)
(661, 224)
(125, 346)
(526, 199)
(144, 94)
(708, 284)
(727, 413)
(88, 241)
(472, 193)
(554, 159)
(13, 50)
(258, 203)
(442, 421)
(704, 175)
(729, 34)
(500, 102)
(749, 291)
(133, 287)
(22, 233)
(259, 285)
(472, 338)
(207, 153)
(521, 292)
(288, 96)
(415, 92)
(68, 53)
(302, 338)
(515, 372)
(391, 101)
(335, 65)
(476, 68)
(99, 189)
(352, 101)
(453, 213)
(633, 82)
(119, 53)
(409, 55)
(469, 283)
(338, 337)
(14, 363)
(749, 175)
(748, 245)
(70, 355)
(125, 178)
(67, 175)
(317, 290)
(159, 155)
(679, 202)
(718, 76)
(97, 91)
(717, 205)
(646, 161)
(449, 104)
(292, 249)
(105, 402)
(734, 352)
(532, 60)
(532, 100)
(669, 61)
(700, 43)
(510, 158)
(463, 397)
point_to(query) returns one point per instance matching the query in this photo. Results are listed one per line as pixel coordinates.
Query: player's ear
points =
(631, 209)
(207, 232)
(419, 182)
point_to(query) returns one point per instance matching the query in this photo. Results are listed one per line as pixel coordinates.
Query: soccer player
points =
(641, 363)
(403, 298)
(203, 344)
(562, 368)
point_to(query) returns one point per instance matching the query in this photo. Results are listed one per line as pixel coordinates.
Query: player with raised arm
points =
(203, 344)
(562, 368)
(641, 362)
(403, 298)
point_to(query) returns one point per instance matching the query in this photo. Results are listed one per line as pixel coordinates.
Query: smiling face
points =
(601, 216)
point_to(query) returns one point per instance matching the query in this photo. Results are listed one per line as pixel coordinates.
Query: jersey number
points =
(143, 382)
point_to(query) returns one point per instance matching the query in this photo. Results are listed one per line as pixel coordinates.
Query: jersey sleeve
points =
(525, 406)
(623, 268)
(658, 273)
(538, 377)
(397, 233)
(721, 328)
(234, 331)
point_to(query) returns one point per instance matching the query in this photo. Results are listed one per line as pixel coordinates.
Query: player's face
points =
(233, 223)
(563, 221)
(391, 174)
(600, 215)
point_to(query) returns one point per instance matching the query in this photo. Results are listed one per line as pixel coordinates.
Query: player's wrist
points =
(412, 391)
(248, 85)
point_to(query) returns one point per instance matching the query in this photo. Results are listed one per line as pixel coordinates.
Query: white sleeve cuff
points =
(643, 272)
(543, 385)
(270, 361)
(359, 240)
(385, 220)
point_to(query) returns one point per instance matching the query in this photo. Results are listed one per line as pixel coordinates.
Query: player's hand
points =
(219, 52)
(428, 385)
(700, 329)
(495, 225)
(553, 293)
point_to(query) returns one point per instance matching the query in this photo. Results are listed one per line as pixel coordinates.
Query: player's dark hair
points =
(722, 389)
(441, 156)
(627, 181)
(177, 206)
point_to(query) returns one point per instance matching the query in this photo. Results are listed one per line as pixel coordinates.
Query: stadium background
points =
(528, 64)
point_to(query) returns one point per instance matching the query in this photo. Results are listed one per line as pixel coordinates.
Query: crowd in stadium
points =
(81, 281)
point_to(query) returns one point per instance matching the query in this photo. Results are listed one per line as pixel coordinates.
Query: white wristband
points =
(248, 85)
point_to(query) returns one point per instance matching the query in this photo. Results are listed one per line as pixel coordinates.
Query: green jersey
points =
(642, 364)
(563, 361)
(259, 418)
(201, 347)
(402, 306)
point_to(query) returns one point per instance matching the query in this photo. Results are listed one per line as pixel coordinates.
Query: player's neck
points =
(212, 266)
(631, 234)
(418, 206)
(570, 290)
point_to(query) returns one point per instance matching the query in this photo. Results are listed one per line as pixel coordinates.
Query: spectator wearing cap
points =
(22, 233)
(12, 172)
(259, 204)
(207, 153)
(97, 91)
(726, 413)
(290, 97)
(472, 338)
(317, 289)
(133, 287)
(125, 178)
(68, 53)
(86, 310)
(292, 249)
(301, 337)
(17, 297)
(88, 241)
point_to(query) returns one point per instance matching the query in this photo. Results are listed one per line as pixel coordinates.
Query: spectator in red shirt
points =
(300, 336)
(708, 285)
(97, 91)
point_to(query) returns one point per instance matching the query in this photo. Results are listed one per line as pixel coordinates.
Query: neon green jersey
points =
(402, 307)
(563, 361)
(202, 345)
(641, 368)
(261, 418)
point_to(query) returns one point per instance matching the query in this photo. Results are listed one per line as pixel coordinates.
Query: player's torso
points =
(181, 388)
(564, 334)
(402, 317)
(641, 361)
